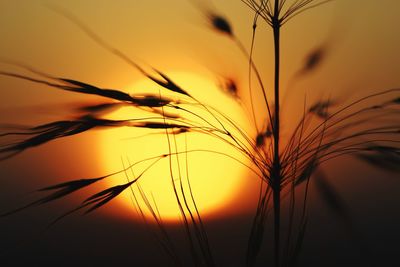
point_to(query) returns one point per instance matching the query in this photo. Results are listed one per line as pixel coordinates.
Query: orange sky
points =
(174, 36)
(362, 40)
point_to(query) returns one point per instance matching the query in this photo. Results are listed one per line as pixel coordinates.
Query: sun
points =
(203, 172)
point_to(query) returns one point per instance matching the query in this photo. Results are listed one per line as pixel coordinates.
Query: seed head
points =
(314, 59)
(260, 140)
(220, 24)
(231, 87)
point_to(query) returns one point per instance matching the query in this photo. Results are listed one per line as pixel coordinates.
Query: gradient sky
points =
(362, 39)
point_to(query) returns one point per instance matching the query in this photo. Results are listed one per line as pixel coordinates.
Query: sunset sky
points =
(360, 39)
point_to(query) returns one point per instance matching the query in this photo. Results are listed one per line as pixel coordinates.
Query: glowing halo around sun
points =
(211, 178)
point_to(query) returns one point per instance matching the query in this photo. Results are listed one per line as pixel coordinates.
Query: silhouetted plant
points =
(326, 130)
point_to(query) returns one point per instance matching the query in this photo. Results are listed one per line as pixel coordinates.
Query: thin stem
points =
(276, 167)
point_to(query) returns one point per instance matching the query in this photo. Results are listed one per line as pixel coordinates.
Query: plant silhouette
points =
(327, 130)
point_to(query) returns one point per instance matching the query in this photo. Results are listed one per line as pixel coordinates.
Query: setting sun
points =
(199, 165)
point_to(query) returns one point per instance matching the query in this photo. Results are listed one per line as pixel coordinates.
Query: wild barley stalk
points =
(276, 166)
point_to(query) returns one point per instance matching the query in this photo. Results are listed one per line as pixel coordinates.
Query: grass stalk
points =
(276, 166)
